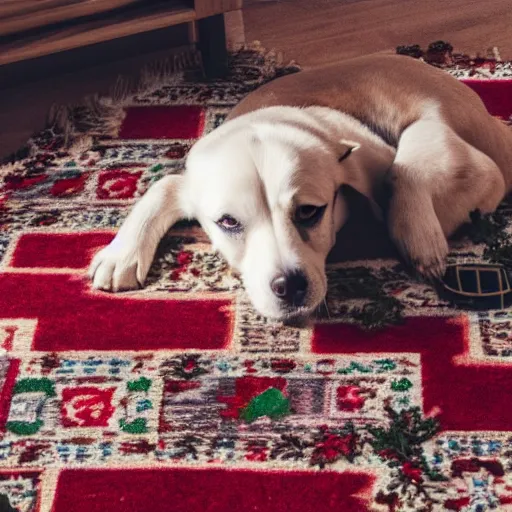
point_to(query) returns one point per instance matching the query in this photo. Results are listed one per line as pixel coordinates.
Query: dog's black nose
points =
(290, 288)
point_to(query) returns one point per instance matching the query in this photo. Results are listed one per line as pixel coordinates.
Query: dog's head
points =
(265, 187)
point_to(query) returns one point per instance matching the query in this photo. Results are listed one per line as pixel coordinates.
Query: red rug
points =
(179, 397)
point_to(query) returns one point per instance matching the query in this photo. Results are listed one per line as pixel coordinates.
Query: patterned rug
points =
(179, 397)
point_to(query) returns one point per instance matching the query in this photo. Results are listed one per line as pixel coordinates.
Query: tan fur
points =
(388, 92)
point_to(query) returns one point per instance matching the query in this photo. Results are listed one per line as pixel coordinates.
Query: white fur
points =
(259, 167)
(125, 262)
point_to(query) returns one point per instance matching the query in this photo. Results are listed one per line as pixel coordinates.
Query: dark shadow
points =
(5, 506)
(363, 237)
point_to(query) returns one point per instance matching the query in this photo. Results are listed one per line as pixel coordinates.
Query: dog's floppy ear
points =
(346, 148)
(362, 167)
(354, 159)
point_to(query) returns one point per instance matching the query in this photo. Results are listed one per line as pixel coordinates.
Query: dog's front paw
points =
(431, 264)
(119, 266)
(424, 249)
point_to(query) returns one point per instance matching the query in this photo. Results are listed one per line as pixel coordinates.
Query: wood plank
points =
(235, 32)
(10, 8)
(205, 8)
(112, 27)
(57, 13)
(320, 32)
(212, 44)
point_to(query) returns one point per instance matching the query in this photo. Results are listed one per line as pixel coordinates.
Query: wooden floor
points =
(313, 32)
(317, 32)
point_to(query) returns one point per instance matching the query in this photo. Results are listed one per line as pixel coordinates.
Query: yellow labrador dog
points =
(265, 185)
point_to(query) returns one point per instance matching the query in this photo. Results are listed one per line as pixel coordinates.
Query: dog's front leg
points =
(437, 180)
(423, 164)
(125, 262)
(415, 227)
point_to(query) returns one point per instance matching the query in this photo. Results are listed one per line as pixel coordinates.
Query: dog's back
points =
(388, 93)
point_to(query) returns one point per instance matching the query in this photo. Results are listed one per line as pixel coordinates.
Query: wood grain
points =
(37, 15)
(19, 7)
(115, 24)
(206, 8)
(318, 32)
(111, 27)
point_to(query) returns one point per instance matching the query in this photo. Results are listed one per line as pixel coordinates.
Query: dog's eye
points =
(308, 214)
(228, 223)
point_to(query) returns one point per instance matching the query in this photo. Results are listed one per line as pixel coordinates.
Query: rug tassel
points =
(496, 53)
(103, 115)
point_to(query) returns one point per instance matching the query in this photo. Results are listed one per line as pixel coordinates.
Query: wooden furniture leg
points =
(212, 44)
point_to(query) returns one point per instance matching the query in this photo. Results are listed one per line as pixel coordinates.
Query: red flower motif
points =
(13, 182)
(325, 366)
(249, 366)
(349, 399)
(333, 447)
(68, 186)
(283, 365)
(388, 453)
(117, 184)
(257, 454)
(87, 406)
(189, 365)
(411, 472)
(456, 503)
(176, 274)
(184, 258)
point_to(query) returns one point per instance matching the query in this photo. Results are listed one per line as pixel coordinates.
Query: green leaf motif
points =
(355, 367)
(401, 385)
(141, 384)
(156, 168)
(23, 428)
(138, 426)
(405, 435)
(31, 385)
(271, 403)
(386, 364)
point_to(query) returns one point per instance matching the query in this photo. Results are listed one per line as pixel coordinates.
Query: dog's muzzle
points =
(290, 288)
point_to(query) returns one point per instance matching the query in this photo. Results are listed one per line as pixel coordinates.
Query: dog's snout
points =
(290, 288)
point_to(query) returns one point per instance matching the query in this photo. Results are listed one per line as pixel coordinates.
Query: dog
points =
(265, 185)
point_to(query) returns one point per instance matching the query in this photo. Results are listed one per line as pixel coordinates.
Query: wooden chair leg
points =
(212, 44)
(235, 29)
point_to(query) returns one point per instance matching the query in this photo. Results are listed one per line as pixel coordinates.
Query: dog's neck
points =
(373, 154)
(338, 126)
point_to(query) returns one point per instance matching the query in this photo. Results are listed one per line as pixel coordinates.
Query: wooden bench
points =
(31, 29)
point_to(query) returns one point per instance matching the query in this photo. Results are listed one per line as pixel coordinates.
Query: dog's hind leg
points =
(125, 262)
(437, 181)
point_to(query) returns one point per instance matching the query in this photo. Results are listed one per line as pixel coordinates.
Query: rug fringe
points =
(272, 59)
(102, 115)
